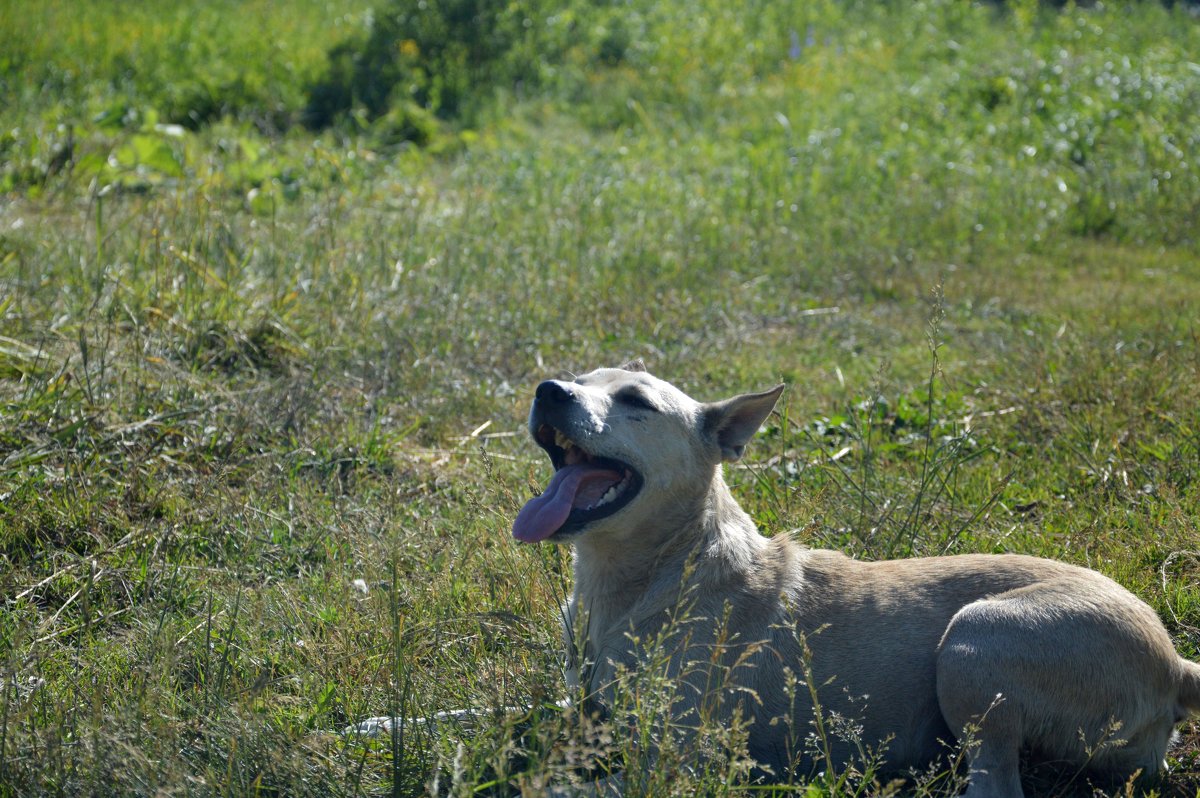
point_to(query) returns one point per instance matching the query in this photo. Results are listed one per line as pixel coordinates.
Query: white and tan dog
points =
(1031, 654)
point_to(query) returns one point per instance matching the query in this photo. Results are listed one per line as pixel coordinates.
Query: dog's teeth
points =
(609, 495)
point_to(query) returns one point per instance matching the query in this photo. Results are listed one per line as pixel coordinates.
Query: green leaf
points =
(152, 152)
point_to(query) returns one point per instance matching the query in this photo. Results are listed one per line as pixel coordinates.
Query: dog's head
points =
(626, 446)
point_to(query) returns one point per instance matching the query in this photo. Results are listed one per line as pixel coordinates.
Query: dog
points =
(1012, 653)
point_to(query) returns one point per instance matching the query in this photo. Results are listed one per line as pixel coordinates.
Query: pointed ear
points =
(634, 365)
(733, 422)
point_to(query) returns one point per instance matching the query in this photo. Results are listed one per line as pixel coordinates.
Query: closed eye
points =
(635, 400)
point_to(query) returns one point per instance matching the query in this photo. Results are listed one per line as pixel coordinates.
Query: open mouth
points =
(584, 489)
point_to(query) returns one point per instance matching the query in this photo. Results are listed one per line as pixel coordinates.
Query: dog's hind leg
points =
(1072, 669)
(975, 703)
(987, 724)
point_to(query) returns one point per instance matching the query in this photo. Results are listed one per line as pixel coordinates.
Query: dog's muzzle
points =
(585, 488)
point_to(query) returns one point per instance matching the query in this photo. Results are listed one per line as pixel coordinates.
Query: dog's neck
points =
(618, 581)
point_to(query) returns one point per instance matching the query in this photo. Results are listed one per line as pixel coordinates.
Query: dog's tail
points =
(1189, 687)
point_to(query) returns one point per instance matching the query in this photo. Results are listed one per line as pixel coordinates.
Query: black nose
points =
(553, 391)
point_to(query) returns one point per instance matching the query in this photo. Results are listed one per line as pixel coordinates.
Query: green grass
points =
(243, 365)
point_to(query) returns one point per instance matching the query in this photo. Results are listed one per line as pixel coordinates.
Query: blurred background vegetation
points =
(885, 99)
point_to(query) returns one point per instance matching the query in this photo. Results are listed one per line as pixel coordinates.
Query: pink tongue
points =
(543, 516)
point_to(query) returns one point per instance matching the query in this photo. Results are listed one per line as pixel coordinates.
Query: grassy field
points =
(262, 388)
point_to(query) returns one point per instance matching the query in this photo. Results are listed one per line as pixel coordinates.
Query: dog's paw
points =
(371, 727)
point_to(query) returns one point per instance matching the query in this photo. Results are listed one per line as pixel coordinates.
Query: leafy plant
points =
(447, 57)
